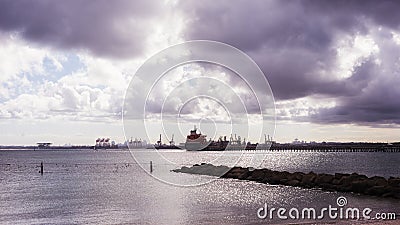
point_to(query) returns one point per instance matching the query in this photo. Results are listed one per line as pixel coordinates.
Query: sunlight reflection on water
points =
(106, 187)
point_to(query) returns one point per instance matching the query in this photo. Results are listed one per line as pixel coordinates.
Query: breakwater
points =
(356, 183)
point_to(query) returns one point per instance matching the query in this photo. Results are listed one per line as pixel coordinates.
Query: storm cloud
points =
(347, 51)
(113, 29)
(301, 46)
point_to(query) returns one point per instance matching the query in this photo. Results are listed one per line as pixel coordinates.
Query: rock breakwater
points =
(356, 183)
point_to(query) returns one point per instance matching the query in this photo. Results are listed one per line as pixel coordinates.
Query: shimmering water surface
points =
(108, 187)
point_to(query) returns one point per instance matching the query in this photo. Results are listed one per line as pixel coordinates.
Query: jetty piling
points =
(41, 168)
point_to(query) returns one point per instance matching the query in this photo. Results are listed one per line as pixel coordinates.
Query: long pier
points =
(332, 147)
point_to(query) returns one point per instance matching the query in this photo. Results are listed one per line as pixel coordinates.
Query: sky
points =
(333, 66)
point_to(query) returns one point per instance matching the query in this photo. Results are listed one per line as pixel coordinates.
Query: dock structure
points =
(43, 144)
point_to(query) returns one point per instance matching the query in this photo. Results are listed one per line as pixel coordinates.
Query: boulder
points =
(273, 181)
(376, 191)
(235, 172)
(258, 175)
(392, 189)
(184, 169)
(281, 175)
(296, 176)
(343, 188)
(335, 181)
(283, 181)
(308, 180)
(293, 182)
(394, 181)
(359, 176)
(265, 180)
(328, 187)
(359, 186)
(276, 178)
(269, 173)
(221, 170)
(348, 180)
(379, 181)
(324, 179)
(338, 176)
(215, 170)
(244, 175)
(393, 192)
(396, 195)
(388, 195)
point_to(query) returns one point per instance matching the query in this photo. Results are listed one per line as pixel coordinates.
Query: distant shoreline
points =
(77, 147)
(306, 147)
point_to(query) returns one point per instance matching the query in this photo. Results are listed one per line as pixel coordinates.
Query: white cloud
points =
(302, 107)
(184, 88)
(396, 37)
(352, 51)
(26, 92)
(17, 57)
(21, 63)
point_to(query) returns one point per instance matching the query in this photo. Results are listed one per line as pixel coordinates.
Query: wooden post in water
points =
(41, 168)
(151, 166)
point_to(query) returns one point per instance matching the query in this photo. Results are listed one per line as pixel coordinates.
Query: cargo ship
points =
(198, 142)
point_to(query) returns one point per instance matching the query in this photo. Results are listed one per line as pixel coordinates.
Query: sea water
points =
(110, 187)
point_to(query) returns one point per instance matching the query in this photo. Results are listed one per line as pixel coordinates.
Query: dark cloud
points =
(347, 13)
(295, 44)
(291, 41)
(108, 28)
(372, 95)
(286, 41)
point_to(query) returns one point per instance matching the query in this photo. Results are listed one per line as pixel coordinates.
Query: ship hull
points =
(210, 146)
(167, 147)
(218, 146)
